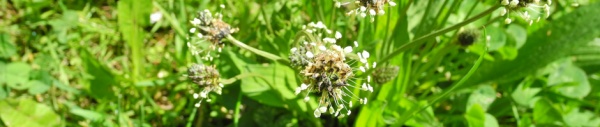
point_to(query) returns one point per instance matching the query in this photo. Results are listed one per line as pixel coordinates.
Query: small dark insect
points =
(467, 37)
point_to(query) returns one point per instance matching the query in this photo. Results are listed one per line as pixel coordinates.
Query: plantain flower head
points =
(530, 10)
(208, 27)
(368, 7)
(206, 78)
(326, 70)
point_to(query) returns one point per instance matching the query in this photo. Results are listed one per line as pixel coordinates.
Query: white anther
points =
(507, 21)
(309, 54)
(348, 49)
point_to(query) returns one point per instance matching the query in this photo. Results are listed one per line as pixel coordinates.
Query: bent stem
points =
(238, 77)
(255, 51)
(423, 39)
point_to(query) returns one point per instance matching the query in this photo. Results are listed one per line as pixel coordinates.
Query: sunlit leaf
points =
(570, 81)
(525, 95)
(16, 75)
(508, 53)
(37, 87)
(475, 116)
(497, 38)
(544, 113)
(577, 118)
(7, 49)
(490, 121)
(272, 87)
(484, 96)
(518, 34)
(28, 113)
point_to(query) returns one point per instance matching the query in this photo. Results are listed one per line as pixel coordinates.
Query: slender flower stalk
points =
(254, 50)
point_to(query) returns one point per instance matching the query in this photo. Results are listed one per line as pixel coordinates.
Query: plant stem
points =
(256, 51)
(387, 26)
(238, 77)
(423, 39)
(236, 115)
(191, 119)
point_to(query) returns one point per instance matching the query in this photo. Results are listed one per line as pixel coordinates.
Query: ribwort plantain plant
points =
(300, 63)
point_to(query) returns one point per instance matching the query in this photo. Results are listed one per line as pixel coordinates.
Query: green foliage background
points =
(103, 63)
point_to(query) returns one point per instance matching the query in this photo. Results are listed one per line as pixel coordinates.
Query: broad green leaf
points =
(273, 86)
(475, 116)
(16, 75)
(508, 53)
(525, 121)
(28, 113)
(259, 85)
(497, 38)
(578, 87)
(37, 87)
(525, 95)
(7, 49)
(102, 80)
(554, 41)
(544, 113)
(490, 121)
(40, 82)
(484, 96)
(518, 34)
(575, 118)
